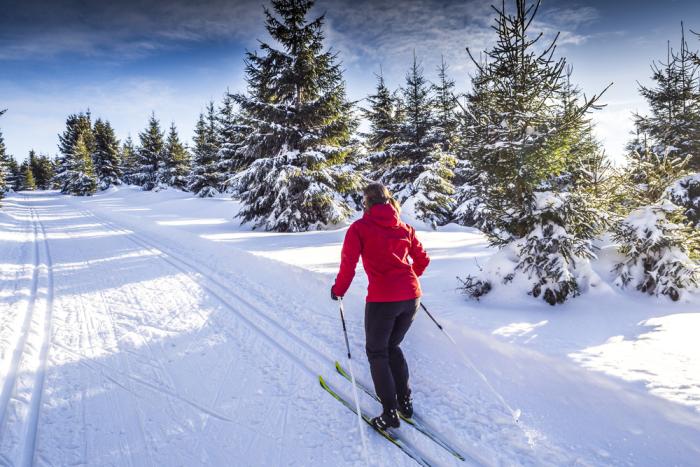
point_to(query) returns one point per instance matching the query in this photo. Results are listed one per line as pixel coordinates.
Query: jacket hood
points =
(384, 215)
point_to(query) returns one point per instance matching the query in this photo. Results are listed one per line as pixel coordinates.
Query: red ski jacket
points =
(385, 244)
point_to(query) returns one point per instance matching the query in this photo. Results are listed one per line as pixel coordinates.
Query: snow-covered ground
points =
(152, 329)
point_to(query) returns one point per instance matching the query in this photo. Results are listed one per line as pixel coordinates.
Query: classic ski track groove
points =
(11, 377)
(27, 427)
(38, 392)
(173, 259)
(10, 380)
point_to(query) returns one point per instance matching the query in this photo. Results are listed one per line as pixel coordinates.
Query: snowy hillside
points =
(151, 329)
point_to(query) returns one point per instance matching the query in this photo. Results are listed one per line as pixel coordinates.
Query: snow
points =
(141, 328)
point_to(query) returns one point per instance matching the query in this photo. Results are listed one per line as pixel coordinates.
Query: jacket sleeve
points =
(418, 254)
(352, 247)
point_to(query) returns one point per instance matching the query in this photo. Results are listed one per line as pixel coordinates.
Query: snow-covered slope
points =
(152, 329)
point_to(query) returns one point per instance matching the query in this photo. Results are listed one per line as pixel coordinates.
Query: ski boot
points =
(388, 419)
(405, 406)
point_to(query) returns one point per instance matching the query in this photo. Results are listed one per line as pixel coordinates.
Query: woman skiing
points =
(393, 295)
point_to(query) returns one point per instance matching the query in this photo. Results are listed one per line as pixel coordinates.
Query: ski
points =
(392, 438)
(414, 422)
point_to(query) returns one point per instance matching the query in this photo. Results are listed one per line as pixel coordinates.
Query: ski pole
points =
(354, 385)
(514, 413)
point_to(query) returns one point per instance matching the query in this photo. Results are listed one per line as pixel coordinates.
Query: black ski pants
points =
(386, 324)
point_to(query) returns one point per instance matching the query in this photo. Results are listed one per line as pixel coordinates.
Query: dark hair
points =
(376, 193)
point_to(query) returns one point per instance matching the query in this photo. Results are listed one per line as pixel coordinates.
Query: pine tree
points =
(232, 133)
(383, 116)
(81, 179)
(446, 127)
(44, 172)
(77, 126)
(418, 167)
(28, 182)
(659, 247)
(523, 141)
(4, 166)
(129, 161)
(205, 178)
(175, 166)
(300, 128)
(150, 155)
(674, 123)
(399, 166)
(685, 192)
(105, 155)
(13, 178)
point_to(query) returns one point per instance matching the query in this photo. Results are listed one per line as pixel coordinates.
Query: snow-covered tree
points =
(77, 126)
(659, 247)
(150, 155)
(205, 178)
(12, 174)
(673, 125)
(4, 166)
(80, 178)
(660, 251)
(384, 117)
(523, 141)
(105, 155)
(417, 167)
(685, 192)
(175, 166)
(129, 161)
(232, 131)
(300, 127)
(43, 171)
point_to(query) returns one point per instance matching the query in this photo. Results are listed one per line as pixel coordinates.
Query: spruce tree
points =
(105, 155)
(13, 180)
(232, 133)
(522, 142)
(28, 182)
(205, 178)
(4, 166)
(81, 179)
(175, 166)
(673, 126)
(149, 156)
(418, 167)
(129, 161)
(44, 172)
(384, 118)
(300, 127)
(77, 126)
(446, 122)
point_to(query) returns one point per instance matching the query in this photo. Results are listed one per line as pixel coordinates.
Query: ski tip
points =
(337, 365)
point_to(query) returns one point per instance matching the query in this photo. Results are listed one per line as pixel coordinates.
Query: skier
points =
(393, 295)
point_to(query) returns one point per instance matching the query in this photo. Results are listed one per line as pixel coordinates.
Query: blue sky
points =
(125, 59)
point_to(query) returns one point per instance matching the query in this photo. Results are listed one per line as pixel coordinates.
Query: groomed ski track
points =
(140, 348)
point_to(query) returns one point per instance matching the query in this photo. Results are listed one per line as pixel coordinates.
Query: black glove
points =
(333, 295)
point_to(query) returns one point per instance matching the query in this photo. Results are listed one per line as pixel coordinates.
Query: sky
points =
(123, 60)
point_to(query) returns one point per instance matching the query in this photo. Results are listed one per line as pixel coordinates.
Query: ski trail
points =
(9, 376)
(21, 401)
(38, 392)
(311, 359)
